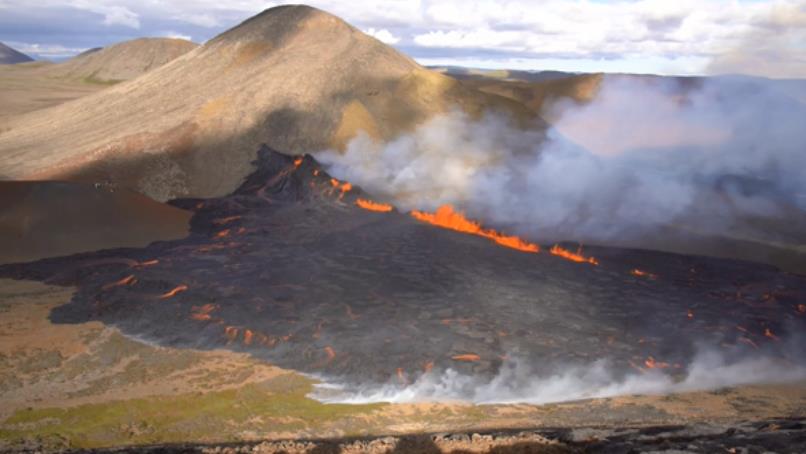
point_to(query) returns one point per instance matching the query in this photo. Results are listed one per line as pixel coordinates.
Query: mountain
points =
(11, 56)
(293, 77)
(123, 61)
(47, 218)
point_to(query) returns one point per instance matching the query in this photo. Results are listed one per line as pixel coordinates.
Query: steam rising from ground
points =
(644, 153)
(517, 382)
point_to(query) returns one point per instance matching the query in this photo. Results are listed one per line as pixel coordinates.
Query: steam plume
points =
(644, 153)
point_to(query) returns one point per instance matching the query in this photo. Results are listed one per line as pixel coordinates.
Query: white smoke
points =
(644, 153)
(516, 382)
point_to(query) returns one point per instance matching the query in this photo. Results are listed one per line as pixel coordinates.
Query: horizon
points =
(718, 37)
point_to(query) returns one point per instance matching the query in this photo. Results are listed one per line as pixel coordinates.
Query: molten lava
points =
(573, 256)
(148, 263)
(247, 337)
(650, 363)
(641, 273)
(373, 206)
(125, 281)
(222, 234)
(174, 291)
(297, 162)
(226, 220)
(446, 217)
(467, 357)
(202, 313)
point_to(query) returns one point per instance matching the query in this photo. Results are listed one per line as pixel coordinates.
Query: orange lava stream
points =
(469, 357)
(125, 281)
(297, 162)
(173, 292)
(573, 256)
(642, 273)
(446, 217)
(373, 206)
(148, 263)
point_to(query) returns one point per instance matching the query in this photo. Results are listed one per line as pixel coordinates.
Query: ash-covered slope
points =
(10, 56)
(122, 61)
(294, 77)
(290, 268)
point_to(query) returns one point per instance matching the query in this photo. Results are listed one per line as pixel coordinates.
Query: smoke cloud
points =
(517, 382)
(645, 153)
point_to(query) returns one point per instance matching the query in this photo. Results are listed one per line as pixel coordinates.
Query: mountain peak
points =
(279, 24)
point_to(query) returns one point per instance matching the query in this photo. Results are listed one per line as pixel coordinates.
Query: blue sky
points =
(642, 36)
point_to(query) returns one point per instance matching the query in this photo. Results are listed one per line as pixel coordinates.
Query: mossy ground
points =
(277, 406)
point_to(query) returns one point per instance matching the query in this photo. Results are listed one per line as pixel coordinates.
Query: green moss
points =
(277, 405)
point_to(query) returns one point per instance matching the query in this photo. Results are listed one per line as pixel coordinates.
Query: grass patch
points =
(274, 406)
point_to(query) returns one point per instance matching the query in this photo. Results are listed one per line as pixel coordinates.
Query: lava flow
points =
(446, 217)
(573, 256)
(373, 206)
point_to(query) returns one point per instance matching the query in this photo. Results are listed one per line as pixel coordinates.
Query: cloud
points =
(759, 37)
(46, 51)
(773, 46)
(113, 14)
(176, 35)
(382, 35)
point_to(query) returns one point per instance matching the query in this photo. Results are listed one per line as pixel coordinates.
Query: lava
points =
(446, 217)
(174, 291)
(222, 234)
(651, 363)
(202, 313)
(467, 357)
(573, 256)
(297, 162)
(130, 279)
(226, 220)
(148, 263)
(768, 333)
(373, 206)
(642, 273)
(247, 337)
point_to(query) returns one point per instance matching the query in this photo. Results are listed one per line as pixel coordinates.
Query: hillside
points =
(10, 56)
(44, 219)
(293, 77)
(123, 61)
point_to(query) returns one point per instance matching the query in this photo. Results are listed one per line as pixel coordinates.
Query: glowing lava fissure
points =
(572, 256)
(448, 218)
(374, 206)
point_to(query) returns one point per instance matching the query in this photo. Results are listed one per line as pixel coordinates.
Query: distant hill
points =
(293, 77)
(9, 56)
(123, 61)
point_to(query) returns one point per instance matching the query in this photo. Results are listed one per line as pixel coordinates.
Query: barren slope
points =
(123, 61)
(46, 219)
(294, 77)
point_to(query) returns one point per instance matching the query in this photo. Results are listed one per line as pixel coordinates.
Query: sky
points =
(685, 37)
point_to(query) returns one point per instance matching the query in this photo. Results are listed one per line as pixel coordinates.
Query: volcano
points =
(297, 267)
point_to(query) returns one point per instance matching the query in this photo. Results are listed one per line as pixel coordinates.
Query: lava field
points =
(312, 274)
